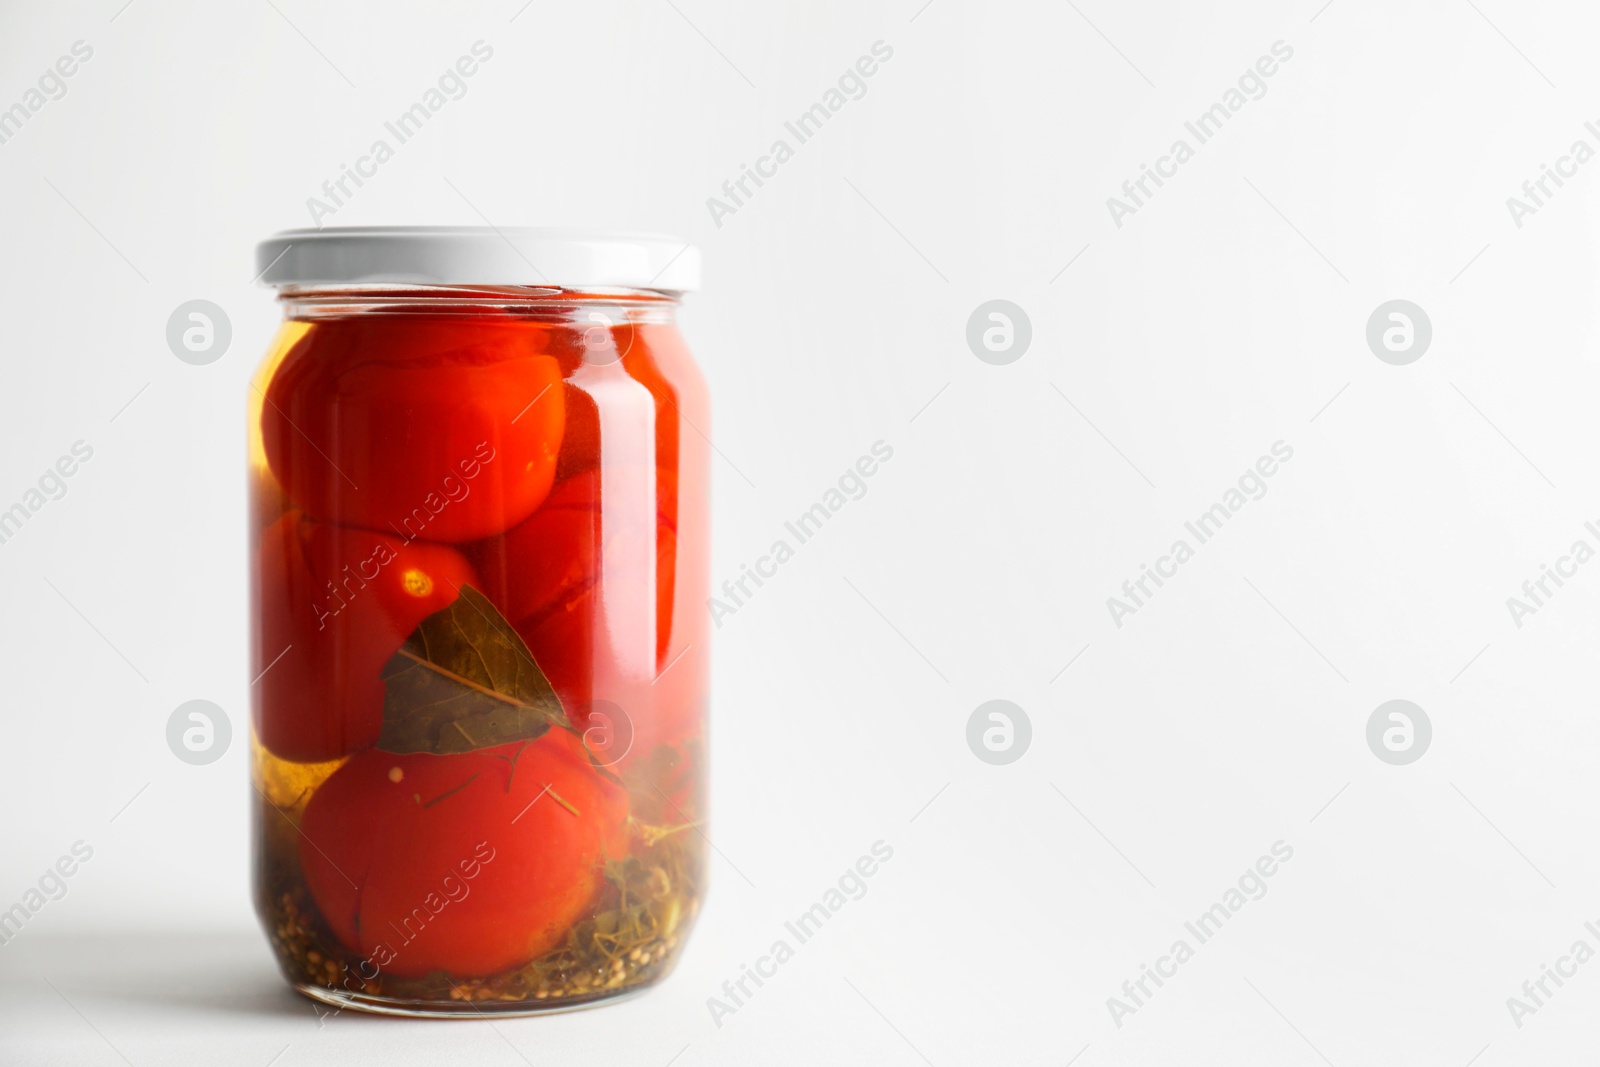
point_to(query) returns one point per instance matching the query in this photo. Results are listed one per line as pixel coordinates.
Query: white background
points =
(1223, 317)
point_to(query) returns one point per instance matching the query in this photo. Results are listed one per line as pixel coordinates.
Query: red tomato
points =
(580, 443)
(592, 638)
(469, 864)
(570, 640)
(627, 352)
(552, 558)
(444, 430)
(335, 604)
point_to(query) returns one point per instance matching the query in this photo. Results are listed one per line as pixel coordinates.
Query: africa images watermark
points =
(851, 885)
(451, 85)
(452, 888)
(52, 485)
(804, 127)
(852, 485)
(1252, 885)
(452, 490)
(1202, 528)
(1536, 591)
(52, 885)
(1202, 128)
(51, 85)
(1537, 190)
(1536, 992)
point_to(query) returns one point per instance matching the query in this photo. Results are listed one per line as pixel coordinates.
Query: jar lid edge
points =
(478, 255)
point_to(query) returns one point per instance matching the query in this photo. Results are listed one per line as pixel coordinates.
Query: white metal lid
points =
(478, 255)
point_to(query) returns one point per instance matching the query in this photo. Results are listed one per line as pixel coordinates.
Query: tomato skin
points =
(580, 441)
(467, 863)
(569, 641)
(447, 430)
(544, 576)
(337, 603)
(550, 560)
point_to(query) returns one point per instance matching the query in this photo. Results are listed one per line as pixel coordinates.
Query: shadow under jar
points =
(480, 648)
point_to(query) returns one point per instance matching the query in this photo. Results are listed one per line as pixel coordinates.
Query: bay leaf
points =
(465, 680)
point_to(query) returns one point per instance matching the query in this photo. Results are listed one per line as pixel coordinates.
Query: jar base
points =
(460, 1009)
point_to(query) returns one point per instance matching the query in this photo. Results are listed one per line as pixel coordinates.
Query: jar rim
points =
(490, 256)
(548, 303)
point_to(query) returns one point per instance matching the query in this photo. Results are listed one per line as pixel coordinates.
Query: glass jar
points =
(479, 570)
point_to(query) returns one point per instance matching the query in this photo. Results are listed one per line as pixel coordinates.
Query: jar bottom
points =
(461, 1009)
